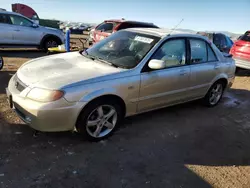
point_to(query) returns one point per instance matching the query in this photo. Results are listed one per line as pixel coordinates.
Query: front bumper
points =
(241, 63)
(54, 116)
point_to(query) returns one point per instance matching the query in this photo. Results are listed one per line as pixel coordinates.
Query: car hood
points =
(61, 70)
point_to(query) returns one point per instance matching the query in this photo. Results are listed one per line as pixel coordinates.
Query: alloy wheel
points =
(216, 93)
(51, 44)
(101, 121)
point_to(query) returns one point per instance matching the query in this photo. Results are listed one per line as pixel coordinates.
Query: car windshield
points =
(246, 37)
(123, 49)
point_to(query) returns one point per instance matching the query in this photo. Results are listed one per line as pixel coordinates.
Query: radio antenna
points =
(176, 26)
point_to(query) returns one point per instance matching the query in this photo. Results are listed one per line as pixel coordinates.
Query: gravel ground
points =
(182, 146)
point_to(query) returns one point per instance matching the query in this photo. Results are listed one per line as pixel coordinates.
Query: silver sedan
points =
(130, 72)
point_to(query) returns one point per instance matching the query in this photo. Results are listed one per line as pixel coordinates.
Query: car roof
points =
(8, 12)
(128, 21)
(160, 32)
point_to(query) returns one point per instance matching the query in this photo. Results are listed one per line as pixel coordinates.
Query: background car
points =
(222, 41)
(241, 51)
(19, 31)
(108, 27)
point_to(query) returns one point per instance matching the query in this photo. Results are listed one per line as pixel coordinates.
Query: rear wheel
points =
(214, 94)
(99, 120)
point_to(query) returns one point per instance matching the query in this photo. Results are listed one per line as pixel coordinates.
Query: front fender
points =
(98, 93)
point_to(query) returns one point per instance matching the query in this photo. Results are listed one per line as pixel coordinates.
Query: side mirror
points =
(156, 64)
(1, 63)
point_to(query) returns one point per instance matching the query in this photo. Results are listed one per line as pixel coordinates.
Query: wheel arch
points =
(47, 36)
(105, 97)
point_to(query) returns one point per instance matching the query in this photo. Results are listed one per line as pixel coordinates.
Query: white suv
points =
(19, 31)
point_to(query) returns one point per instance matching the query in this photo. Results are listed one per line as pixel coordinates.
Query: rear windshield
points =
(246, 37)
(106, 27)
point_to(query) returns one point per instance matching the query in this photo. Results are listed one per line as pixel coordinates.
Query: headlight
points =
(45, 95)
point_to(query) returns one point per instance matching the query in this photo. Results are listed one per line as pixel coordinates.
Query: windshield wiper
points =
(87, 55)
(107, 62)
(97, 58)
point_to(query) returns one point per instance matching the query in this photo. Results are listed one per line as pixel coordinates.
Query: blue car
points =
(222, 41)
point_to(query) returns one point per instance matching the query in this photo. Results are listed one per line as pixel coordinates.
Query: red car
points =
(241, 51)
(108, 27)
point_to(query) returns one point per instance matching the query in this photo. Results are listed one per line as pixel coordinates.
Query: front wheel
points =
(214, 94)
(99, 120)
(50, 43)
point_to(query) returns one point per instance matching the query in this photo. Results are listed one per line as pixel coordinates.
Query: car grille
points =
(20, 86)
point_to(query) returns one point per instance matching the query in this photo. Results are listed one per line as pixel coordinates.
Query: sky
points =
(199, 15)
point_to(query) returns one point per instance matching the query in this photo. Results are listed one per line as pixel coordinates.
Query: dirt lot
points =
(183, 146)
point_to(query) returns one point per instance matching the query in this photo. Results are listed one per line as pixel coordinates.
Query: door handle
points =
(16, 30)
(216, 66)
(182, 73)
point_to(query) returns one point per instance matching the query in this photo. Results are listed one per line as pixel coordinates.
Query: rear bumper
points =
(242, 63)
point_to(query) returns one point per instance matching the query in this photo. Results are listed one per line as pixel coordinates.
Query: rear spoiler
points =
(227, 55)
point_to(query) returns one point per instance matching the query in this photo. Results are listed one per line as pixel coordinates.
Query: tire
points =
(1, 63)
(94, 118)
(214, 94)
(50, 42)
(237, 69)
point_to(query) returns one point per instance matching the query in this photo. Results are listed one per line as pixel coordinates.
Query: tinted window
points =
(18, 20)
(127, 25)
(106, 27)
(123, 49)
(198, 51)
(173, 52)
(219, 40)
(4, 19)
(210, 54)
(246, 37)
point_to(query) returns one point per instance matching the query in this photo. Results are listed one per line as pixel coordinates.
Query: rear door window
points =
(201, 52)
(198, 51)
(246, 37)
(106, 27)
(5, 19)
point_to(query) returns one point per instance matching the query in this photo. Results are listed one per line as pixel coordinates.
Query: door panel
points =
(6, 35)
(204, 67)
(163, 87)
(23, 32)
(170, 85)
(26, 35)
(201, 77)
